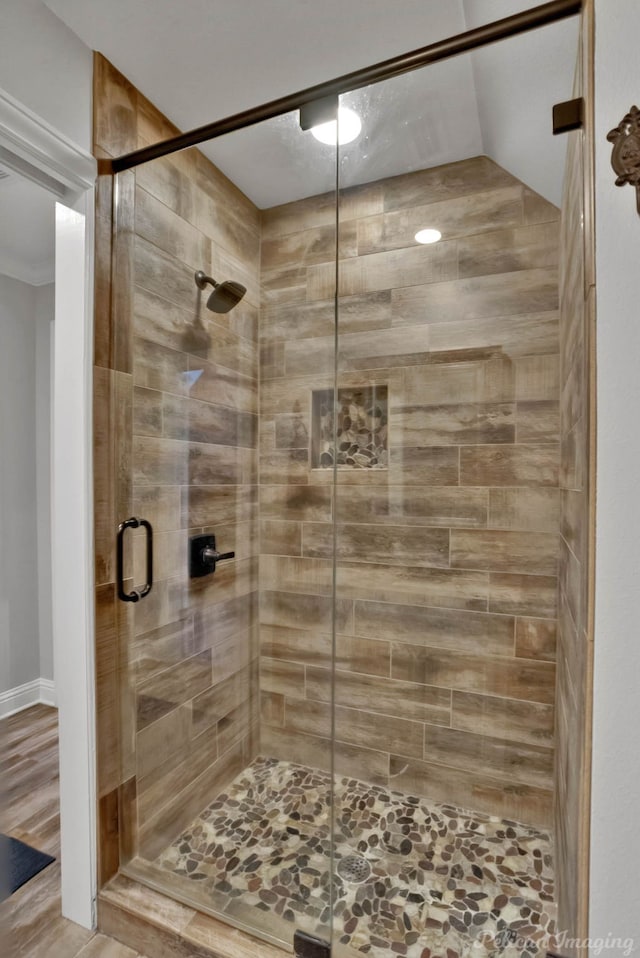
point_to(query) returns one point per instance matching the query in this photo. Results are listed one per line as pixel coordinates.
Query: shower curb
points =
(156, 926)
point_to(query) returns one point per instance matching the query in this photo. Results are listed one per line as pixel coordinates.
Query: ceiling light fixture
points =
(349, 126)
(428, 236)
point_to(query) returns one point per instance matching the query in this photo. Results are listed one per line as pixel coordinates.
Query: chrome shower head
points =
(224, 296)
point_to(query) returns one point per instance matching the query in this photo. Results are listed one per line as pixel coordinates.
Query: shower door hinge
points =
(568, 116)
(308, 946)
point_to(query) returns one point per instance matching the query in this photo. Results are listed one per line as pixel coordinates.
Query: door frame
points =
(33, 149)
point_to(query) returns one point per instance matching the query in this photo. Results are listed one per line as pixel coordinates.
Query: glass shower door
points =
(445, 527)
(225, 768)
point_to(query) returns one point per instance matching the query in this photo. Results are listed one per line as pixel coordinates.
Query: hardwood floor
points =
(32, 926)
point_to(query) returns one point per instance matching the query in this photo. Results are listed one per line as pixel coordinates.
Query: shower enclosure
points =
(332, 714)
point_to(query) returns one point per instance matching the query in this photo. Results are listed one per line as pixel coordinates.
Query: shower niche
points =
(351, 432)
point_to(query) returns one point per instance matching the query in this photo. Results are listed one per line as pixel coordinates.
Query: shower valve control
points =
(203, 556)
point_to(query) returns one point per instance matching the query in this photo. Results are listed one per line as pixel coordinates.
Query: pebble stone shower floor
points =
(442, 881)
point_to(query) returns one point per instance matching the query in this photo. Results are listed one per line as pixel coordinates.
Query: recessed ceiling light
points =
(428, 236)
(349, 126)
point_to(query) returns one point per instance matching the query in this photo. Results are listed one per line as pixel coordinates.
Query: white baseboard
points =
(39, 691)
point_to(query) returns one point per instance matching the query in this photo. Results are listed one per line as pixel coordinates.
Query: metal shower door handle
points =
(137, 594)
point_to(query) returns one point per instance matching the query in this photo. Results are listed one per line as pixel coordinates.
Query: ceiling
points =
(27, 244)
(201, 60)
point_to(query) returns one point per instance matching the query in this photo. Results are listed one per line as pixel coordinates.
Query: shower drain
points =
(354, 869)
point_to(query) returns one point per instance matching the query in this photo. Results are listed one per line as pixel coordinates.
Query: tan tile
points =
(235, 231)
(462, 381)
(537, 377)
(304, 644)
(200, 505)
(534, 553)
(308, 247)
(166, 780)
(386, 545)
(296, 574)
(438, 465)
(214, 383)
(362, 655)
(529, 247)
(168, 736)
(157, 832)
(292, 431)
(280, 538)
(361, 350)
(538, 422)
(313, 612)
(168, 231)
(403, 699)
(159, 461)
(574, 522)
(300, 321)
(147, 412)
(166, 690)
(233, 654)
(272, 708)
(195, 421)
(167, 180)
(223, 619)
(537, 209)
(479, 298)
(492, 675)
(309, 750)
(522, 509)
(154, 651)
(523, 594)
(160, 505)
(529, 722)
(211, 706)
(366, 729)
(309, 213)
(115, 123)
(495, 796)
(536, 639)
(482, 754)
(474, 632)
(447, 182)
(212, 465)
(453, 424)
(285, 466)
(413, 585)
(503, 465)
(454, 217)
(412, 505)
(285, 678)
(296, 502)
(386, 270)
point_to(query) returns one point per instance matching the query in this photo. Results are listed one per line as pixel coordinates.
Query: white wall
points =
(44, 321)
(615, 835)
(45, 66)
(18, 505)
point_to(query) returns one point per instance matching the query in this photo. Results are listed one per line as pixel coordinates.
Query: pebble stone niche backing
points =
(361, 428)
(444, 882)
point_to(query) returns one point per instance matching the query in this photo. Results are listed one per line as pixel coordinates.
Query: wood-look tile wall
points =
(176, 401)
(575, 625)
(447, 561)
